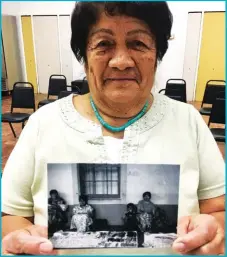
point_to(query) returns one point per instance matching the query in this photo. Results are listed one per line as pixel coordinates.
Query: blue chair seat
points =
(46, 101)
(15, 117)
(205, 111)
(219, 134)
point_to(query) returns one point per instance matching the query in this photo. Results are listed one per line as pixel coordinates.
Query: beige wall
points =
(11, 49)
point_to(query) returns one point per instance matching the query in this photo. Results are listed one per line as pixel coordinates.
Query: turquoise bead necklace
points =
(121, 128)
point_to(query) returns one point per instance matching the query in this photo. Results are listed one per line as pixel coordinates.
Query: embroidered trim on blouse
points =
(93, 131)
(76, 121)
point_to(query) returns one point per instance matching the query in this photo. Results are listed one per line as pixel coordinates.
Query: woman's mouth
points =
(126, 79)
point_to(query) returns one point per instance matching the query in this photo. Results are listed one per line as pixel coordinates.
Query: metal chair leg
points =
(12, 130)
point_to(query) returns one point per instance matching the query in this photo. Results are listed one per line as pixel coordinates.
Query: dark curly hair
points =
(155, 14)
(147, 193)
(84, 198)
(132, 206)
(53, 192)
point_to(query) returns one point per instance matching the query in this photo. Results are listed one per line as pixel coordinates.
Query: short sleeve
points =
(18, 173)
(211, 162)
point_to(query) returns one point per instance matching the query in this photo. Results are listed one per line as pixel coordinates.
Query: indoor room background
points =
(36, 44)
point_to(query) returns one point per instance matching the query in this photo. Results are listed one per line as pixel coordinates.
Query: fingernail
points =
(45, 248)
(180, 247)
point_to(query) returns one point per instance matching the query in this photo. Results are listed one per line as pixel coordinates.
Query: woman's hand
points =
(31, 240)
(199, 235)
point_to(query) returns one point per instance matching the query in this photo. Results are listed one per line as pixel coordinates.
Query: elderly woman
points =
(119, 121)
(82, 215)
(146, 210)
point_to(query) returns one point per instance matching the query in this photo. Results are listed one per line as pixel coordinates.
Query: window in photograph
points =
(100, 180)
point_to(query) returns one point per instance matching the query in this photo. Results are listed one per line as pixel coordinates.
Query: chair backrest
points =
(213, 87)
(76, 86)
(82, 85)
(176, 97)
(221, 94)
(176, 87)
(23, 96)
(218, 111)
(64, 94)
(57, 83)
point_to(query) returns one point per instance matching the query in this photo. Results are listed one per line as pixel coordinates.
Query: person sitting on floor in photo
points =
(83, 214)
(161, 222)
(130, 218)
(57, 207)
(146, 210)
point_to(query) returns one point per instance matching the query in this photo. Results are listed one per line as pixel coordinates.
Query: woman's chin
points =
(124, 98)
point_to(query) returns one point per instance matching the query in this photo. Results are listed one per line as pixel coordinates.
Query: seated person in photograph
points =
(130, 218)
(83, 214)
(57, 216)
(146, 211)
(161, 222)
(121, 120)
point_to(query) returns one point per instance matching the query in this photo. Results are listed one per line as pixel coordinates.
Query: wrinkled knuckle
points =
(12, 242)
(221, 238)
(205, 231)
(18, 242)
(17, 247)
(5, 242)
(205, 250)
(208, 233)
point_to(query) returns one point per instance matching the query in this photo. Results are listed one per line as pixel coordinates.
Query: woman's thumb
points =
(22, 243)
(36, 245)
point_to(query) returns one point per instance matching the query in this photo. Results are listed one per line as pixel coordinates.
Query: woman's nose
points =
(121, 60)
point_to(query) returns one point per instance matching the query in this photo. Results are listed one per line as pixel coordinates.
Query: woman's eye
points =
(138, 45)
(104, 44)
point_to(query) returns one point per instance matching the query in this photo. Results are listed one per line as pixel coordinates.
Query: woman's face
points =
(130, 209)
(146, 198)
(121, 60)
(82, 202)
(53, 196)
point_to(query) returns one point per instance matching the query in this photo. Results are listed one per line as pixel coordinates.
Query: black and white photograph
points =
(112, 205)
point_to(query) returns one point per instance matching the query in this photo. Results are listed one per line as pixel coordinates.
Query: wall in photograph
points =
(60, 178)
(160, 180)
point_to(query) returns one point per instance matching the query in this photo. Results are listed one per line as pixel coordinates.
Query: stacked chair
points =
(64, 94)
(175, 89)
(213, 87)
(80, 86)
(57, 83)
(77, 87)
(217, 116)
(22, 97)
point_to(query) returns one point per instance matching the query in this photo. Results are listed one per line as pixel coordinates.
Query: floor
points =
(8, 140)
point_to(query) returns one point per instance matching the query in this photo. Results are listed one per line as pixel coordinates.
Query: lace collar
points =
(76, 121)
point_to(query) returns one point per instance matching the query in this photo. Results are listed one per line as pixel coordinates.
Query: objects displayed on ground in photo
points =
(112, 205)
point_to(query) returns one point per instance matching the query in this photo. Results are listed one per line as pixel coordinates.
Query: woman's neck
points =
(83, 106)
(119, 114)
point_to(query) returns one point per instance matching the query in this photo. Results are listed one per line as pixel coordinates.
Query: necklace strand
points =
(123, 127)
